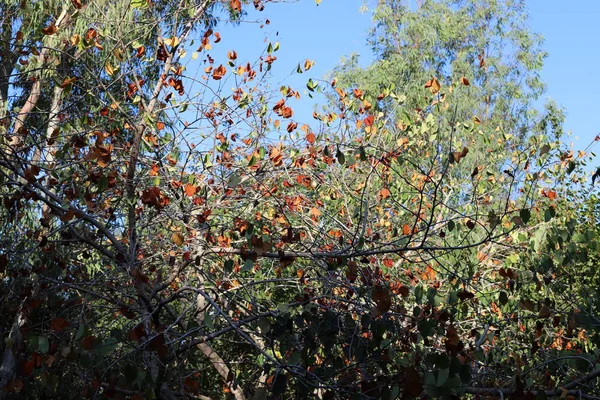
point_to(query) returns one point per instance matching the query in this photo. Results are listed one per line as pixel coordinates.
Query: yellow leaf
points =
(110, 70)
(172, 42)
(177, 238)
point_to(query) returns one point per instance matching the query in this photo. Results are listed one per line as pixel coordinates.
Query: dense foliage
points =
(169, 230)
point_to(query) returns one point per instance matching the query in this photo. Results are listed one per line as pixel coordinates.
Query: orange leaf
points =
(286, 112)
(67, 82)
(190, 190)
(292, 126)
(384, 193)
(464, 81)
(369, 120)
(219, 72)
(236, 5)
(91, 34)
(310, 138)
(50, 30)
(433, 85)
(406, 229)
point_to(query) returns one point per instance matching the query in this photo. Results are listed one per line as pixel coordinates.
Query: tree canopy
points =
(169, 229)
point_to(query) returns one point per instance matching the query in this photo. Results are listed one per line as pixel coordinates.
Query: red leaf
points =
(58, 324)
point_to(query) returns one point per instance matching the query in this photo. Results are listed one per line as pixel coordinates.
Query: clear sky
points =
(334, 28)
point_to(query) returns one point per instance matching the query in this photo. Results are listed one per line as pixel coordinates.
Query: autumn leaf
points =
(286, 112)
(368, 121)
(551, 194)
(190, 189)
(464, 81)
(383, 301)
(291, 127)
(406, 229)
(433, 85)
(308, 64)
(219, 72)
(481, 61)
(384, 193)
(58, 324)
(50, 30)
(67, 81)
(90, 34)
(177, 238)
(310, 138)
(235, 5)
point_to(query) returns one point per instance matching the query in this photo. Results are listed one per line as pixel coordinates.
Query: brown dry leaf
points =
(433, 84)
(50, 30)
(219, 72)
(383, 300)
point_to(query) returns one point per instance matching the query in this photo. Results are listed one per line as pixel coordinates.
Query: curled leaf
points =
(433, 84)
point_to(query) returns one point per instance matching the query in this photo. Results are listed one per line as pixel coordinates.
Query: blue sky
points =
(327, 32)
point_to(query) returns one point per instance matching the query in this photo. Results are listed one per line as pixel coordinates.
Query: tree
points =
(157, 241)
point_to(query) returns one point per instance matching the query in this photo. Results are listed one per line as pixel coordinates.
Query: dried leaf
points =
(433, 84)
(177, 238)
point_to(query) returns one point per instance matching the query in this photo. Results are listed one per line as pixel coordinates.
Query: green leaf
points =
(264, 325)
(525, 215)
(340, 157)
(442, 376)
(43, 344)
(451, 226)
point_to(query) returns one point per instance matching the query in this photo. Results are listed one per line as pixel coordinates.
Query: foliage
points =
(163, 236)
